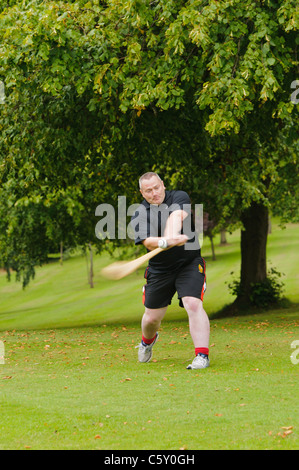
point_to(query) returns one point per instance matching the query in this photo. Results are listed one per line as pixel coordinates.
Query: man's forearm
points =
(174, 224)
(172, 233)
(151, 243)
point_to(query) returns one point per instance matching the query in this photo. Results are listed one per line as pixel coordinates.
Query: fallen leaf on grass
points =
(285, 434)
(97, 436)
(287, 431)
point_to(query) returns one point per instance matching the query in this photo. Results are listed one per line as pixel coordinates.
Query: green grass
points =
(71, 379)
(60, 296)
(82, 388)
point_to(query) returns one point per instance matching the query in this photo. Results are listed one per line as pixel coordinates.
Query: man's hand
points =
(152, 242)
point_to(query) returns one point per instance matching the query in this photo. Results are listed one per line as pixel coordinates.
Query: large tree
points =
(99, 92)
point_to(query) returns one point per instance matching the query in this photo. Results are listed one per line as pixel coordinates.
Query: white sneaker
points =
(199, 362)
(146, 351)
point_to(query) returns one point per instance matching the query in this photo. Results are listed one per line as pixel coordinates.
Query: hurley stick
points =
(121, 269)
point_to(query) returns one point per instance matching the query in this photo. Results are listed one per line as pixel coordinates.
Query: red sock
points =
(202, 351)
(148, 341)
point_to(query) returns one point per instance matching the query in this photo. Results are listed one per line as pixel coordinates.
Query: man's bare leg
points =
(199, 323)
(151, 321)
(199, 326)
(150, 324)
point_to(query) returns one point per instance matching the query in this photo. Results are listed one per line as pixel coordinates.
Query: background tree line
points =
(98, 92)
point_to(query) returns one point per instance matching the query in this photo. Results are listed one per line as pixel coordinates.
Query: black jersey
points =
(149, 220)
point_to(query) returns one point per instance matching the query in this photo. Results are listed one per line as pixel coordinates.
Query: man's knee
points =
(192, 304)
(153, 317)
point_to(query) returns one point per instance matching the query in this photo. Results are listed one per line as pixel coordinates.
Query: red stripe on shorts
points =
(204, 282)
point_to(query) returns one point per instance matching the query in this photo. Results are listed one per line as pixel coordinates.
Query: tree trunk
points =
(89, 257)
(223, 240)
(61, 253)
(253, 250)
(269, 225)
(213, 249)
(91, 266)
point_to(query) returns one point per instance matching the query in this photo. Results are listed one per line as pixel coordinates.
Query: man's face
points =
(153, 190)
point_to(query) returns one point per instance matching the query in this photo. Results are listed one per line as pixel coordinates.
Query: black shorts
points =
(189, 281)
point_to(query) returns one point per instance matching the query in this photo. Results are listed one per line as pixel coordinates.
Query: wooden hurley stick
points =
(121, 269)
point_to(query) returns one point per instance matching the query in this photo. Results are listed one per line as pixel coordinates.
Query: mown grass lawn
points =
(71, 379)
(82, 388)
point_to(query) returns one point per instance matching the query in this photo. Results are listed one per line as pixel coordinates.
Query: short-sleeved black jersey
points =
(149, 220)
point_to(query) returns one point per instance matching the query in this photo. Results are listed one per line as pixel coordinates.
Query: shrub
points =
(262, 294)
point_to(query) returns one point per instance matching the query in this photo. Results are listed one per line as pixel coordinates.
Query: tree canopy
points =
(101, 91)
